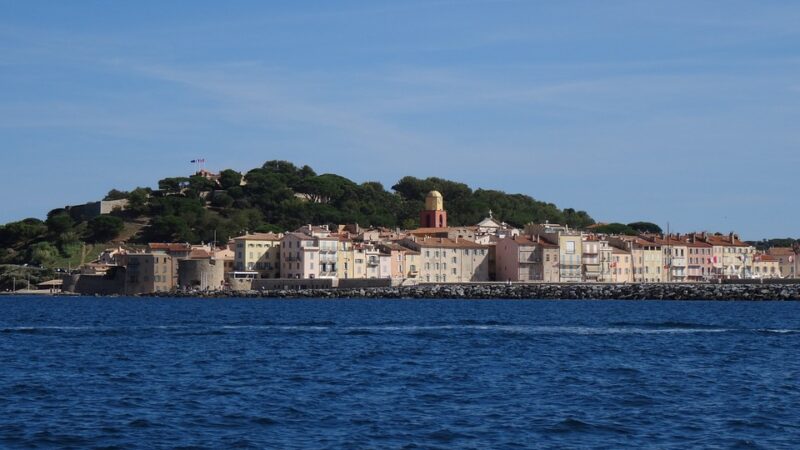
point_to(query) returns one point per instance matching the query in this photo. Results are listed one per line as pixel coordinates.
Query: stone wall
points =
(648, 291)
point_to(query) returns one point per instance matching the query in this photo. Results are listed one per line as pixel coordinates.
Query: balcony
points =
(678, 262)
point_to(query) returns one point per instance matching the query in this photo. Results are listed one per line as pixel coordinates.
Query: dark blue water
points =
(163, 373)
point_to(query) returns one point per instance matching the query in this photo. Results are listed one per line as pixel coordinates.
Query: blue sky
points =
(685, 112)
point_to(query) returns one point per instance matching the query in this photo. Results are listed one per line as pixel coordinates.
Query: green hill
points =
(277, 196)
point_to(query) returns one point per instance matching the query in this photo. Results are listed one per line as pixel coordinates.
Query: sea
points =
(153, 373)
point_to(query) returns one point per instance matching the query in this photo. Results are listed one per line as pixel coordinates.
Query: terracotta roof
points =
(428, 230)
(199, 254)
(170, 247)
(619, 251)
(259, 237)
(301, 236)
(448, 243)
(781, 251)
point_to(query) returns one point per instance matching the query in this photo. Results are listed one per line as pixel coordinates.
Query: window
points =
(570, 246)
(454, 260)
(454, 271)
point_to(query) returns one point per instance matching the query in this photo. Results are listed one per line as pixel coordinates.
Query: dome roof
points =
(434, 201)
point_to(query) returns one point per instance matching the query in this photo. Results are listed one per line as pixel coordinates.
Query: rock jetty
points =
(536, 291)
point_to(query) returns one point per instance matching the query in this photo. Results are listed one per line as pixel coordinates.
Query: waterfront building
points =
(519, 258)
(402, 261)
(258, 252)
(647, 259)
(766, 266)
(569, 242)
(731, 258)
(147, 273)
(526, 259)
(345, 267)
(675, 257)
(621, 266)
(310, 252)
(787, 260)
(444, 260)
(699, 260)
(596, 257)
(570, 245)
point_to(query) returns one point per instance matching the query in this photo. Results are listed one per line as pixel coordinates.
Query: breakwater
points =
(650, 291)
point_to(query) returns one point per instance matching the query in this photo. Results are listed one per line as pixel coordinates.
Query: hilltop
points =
(277, 196)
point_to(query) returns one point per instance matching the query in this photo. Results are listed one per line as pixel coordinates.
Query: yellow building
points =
(444, 260)
(621, 268)
(766, 266)
(571, 257)
(345, 267)
(258, 252)
(647, 259)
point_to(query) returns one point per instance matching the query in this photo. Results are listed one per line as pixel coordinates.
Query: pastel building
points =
(787, 260)
(732, 258)
(596, 258)
(647, 260)
(675, 256)
(525, 259)
(312, 255)
(403, 261)
(621, 266)
(258, 252)
(147, 273)
(445, 260)
(570, 245)
(766, 267)
(699, 264)
(345, 267)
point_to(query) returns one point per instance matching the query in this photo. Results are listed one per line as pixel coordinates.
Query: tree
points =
(229, 178)
(59, 223)
(105, 228)
(17, 233)
(615, 228)
(173, 185)
(116, 195)
(221, 200)
(645, 227)
(42, 253)
(137, 201)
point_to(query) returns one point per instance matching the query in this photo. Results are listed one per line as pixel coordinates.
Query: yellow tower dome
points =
(434, 201)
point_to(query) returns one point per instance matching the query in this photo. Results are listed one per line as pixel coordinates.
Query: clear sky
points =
(685, 112)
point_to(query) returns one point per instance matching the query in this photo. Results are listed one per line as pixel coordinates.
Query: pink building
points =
(521, 258)
(307, 256)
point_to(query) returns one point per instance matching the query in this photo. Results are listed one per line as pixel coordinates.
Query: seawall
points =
(538, 291)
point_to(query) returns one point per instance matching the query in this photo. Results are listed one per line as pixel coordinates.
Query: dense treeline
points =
(278, 196)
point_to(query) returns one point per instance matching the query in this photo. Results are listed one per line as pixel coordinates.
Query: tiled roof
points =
(448, 243)
(781, 251)
(170, 246)
(259, 237)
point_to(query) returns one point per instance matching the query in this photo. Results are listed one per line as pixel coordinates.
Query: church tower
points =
(434, 215)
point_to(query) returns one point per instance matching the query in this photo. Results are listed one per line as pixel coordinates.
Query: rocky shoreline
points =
(534, 291)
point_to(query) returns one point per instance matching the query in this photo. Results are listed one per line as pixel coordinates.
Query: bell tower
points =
(434, 215)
